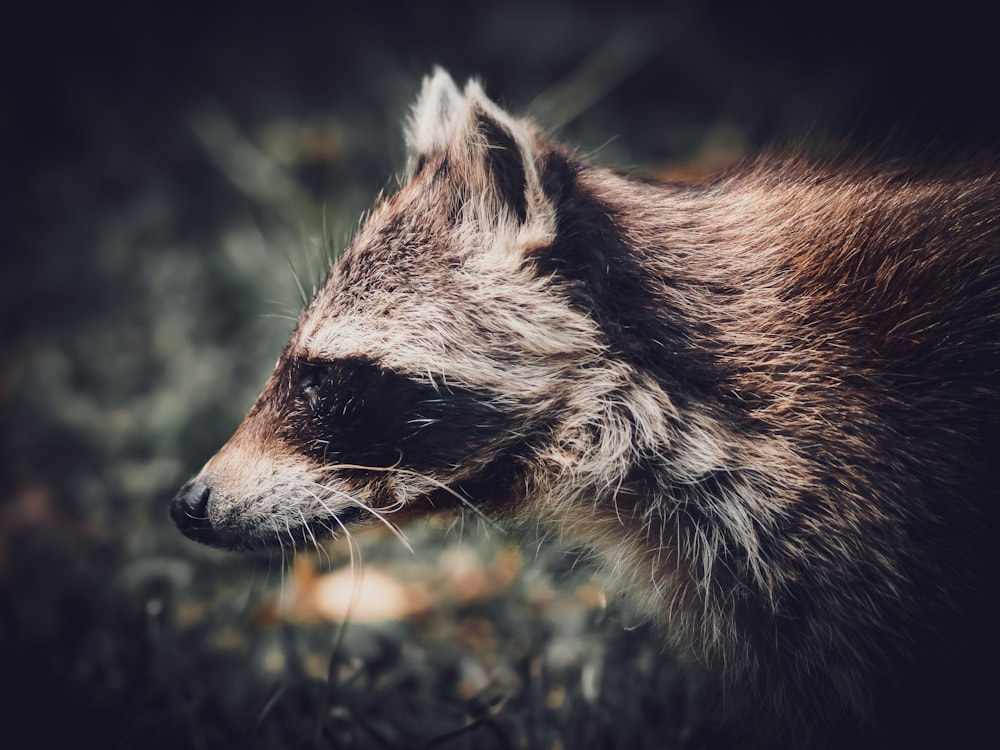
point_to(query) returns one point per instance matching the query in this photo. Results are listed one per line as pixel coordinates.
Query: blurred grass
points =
(163, 166)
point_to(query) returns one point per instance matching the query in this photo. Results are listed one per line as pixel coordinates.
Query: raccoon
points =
(767, 400)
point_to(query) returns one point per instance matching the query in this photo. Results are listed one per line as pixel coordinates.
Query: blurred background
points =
(164, 167)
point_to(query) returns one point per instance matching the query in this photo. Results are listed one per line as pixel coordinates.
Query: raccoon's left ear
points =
(489, 153)
(434, 118)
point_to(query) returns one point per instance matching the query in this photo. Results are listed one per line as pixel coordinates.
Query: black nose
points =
(189, 509)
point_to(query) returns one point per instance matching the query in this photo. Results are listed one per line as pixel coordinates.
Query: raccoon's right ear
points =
(493, 159)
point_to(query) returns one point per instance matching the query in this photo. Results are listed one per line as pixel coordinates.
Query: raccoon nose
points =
(189, 509)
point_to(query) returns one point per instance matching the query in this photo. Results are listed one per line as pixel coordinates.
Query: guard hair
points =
(768, 400)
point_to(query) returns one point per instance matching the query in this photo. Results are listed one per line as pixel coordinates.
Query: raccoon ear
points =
(501, 162)
(494, 157)
(435, 116)
(490, 158)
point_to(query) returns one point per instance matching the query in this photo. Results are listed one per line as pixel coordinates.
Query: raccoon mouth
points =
(353, 514)
(190, 511)
(308, 534)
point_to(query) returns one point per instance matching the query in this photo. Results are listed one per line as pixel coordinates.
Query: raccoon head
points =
(437, 364)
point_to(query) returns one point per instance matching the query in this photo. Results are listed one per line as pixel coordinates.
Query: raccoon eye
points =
(310, 393)
(310, 383)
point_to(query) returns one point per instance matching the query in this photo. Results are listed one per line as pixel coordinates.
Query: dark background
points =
(161, 166)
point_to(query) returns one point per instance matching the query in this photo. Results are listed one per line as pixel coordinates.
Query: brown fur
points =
(768, 401)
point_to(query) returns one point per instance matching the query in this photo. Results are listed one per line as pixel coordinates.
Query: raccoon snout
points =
(189, 509)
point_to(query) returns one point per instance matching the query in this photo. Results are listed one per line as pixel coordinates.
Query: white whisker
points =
(355, 551)
(284, 563)
(316, 545)
(409, 472)
(396, 531)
